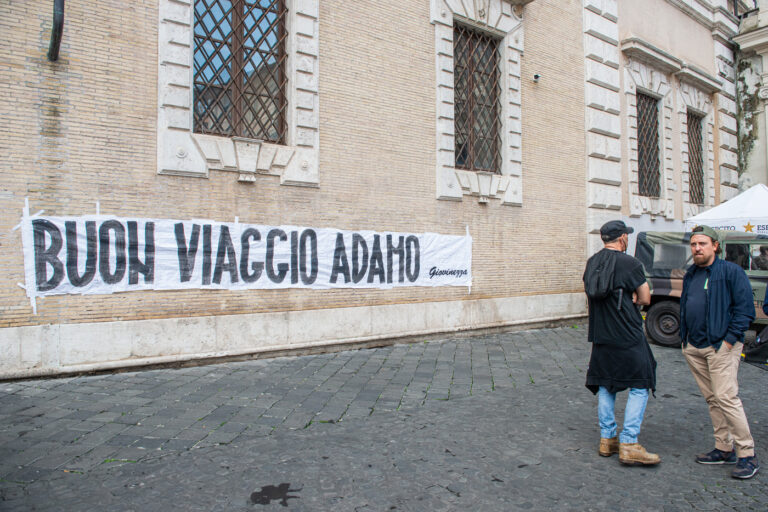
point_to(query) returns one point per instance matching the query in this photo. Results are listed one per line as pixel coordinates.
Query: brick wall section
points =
(553, 218)
(84, 130)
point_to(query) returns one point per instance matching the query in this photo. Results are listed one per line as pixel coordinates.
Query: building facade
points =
(513, 124)
(661, 110)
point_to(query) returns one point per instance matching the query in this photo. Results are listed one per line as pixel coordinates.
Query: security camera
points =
(536, 77)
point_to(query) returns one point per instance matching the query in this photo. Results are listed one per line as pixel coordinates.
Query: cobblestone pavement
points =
(495, 422)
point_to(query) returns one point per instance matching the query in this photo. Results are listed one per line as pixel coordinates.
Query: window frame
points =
(471, 105)
(694, 173)
(651, 77)
(747, 246)
(182, 152)
(751, 270)
(642, 174)
(238, 45)
(502, 20)
(693, 97)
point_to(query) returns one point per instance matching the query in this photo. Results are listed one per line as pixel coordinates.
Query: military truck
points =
(667, 255)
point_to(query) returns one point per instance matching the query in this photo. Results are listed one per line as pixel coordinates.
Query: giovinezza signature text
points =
(437, 272)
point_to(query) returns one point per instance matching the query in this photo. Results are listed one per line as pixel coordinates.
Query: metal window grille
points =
(648, 146)
(239, 77)
(477, 107)
(695, 159)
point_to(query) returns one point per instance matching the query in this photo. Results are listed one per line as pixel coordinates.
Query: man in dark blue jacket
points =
(716, 307)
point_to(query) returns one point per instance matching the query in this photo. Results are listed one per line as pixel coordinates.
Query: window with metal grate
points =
(239, 68)
(477, 108)
(648, 145)
(695, 159)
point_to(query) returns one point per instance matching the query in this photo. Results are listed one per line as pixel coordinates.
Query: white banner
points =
(104, 254)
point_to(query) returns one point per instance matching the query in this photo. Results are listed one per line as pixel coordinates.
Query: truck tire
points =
(662, 323)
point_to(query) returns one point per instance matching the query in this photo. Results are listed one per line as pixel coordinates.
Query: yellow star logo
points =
(748, 228)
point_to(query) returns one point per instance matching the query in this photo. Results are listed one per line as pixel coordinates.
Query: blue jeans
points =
(633, 414)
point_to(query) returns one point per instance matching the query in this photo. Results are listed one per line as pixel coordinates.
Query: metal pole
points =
(57, 30)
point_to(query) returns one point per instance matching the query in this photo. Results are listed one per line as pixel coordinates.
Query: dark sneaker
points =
(745, 468)
(717, 457)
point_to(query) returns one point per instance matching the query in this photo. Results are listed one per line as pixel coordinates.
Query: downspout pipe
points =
(57, 30)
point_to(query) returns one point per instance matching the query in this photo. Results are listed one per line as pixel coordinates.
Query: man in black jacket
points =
(621, 358)
(716, 307)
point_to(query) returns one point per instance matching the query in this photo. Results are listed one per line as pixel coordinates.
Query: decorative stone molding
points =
(753, 81)
(755, 40)
(499, 18)
(603, 109)
(701, 80)
(184, 153)
(725, 27)
(642, 51)
(725, 99)
(690, 98)
(640, 75)
(649, 69)
(710, 13)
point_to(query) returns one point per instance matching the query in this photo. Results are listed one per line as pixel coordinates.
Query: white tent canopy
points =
(746, 212)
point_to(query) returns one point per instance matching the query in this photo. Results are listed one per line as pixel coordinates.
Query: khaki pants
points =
(716, 374)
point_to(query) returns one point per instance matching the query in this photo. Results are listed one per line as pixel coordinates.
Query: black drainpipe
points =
(57, 31)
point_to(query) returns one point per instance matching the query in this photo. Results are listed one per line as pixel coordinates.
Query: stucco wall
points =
(668, 27)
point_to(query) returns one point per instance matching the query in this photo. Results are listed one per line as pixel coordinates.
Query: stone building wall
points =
(90, 133)
(679, 52)
(752, 96)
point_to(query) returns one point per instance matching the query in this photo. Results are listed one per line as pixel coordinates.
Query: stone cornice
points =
(754, 40)
(699, 78)
(709, 20)
(722, 36)
(636, 48)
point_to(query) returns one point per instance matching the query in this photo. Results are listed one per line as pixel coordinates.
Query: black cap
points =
(613, 229)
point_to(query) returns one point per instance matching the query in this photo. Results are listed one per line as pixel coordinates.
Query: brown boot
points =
(608, 446)
(633, 454)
